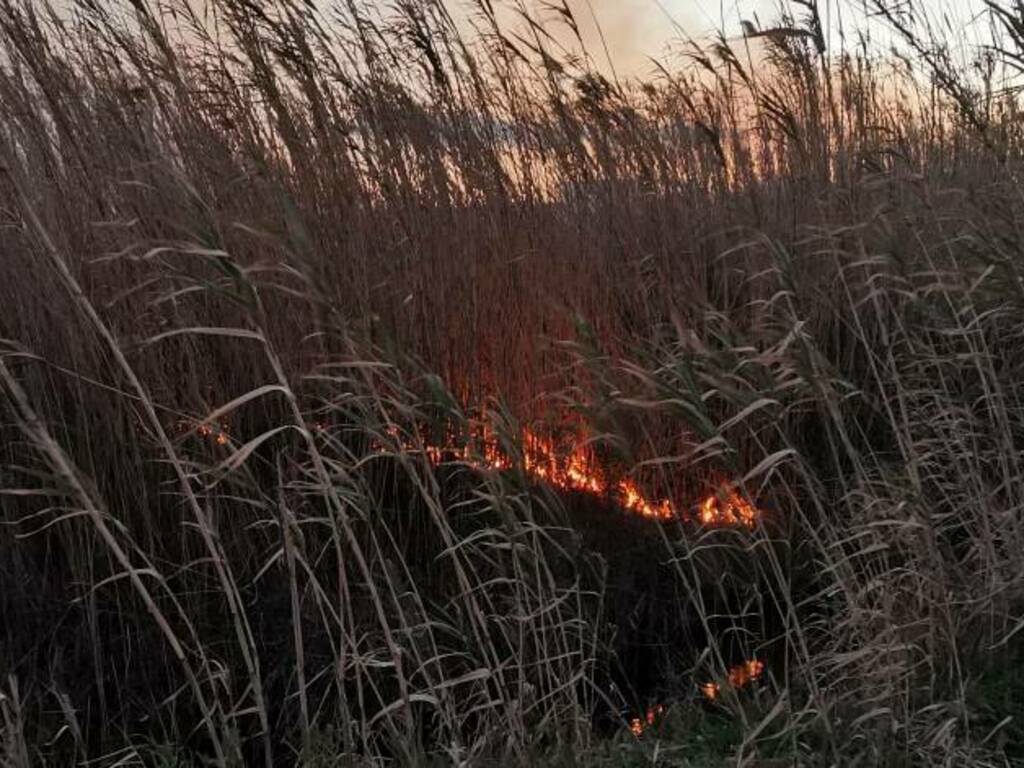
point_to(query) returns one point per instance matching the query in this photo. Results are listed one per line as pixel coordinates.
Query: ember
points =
(214, 432)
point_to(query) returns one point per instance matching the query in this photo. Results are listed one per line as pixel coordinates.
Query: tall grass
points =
(256, 257)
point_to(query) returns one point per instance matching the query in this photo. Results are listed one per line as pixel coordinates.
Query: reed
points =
(290, 297)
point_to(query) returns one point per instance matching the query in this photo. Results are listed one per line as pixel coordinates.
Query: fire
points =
(577, 469)
(738, 677)
(640, 724)
(545, 460)
(745, 673)
(727, 508)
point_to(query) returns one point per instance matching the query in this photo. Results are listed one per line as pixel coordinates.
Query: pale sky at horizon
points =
(636, 30)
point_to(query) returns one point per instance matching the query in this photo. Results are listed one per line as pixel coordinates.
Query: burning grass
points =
(569, 466)
(737, 678)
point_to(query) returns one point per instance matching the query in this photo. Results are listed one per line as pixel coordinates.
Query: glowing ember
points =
(578, 470)
(738, 677)
(215, 433)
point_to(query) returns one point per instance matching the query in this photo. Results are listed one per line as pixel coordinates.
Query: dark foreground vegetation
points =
(260, 263)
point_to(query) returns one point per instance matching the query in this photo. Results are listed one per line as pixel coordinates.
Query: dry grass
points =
(254, 256)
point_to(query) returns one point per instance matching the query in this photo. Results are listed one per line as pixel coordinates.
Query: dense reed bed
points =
(277, 284)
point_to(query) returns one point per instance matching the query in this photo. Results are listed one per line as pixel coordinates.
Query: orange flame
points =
(572, 470)
(738, 677)
(745, 673)
(640, 724)
(578, 470)
(727, 508)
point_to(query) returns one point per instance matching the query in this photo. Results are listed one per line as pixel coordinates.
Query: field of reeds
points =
(380, 386)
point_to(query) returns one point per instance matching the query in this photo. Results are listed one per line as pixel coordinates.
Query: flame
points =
(745, 673)
(727, 508)
(737, 677)
(640, 724)
(577, 469)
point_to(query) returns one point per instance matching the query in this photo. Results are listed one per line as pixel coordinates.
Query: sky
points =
(638, 29)
(635, 30)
